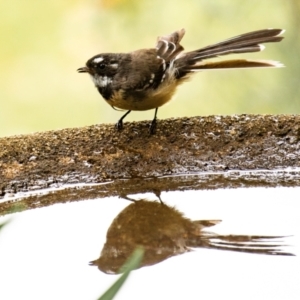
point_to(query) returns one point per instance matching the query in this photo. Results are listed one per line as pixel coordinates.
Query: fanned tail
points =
(249, 42)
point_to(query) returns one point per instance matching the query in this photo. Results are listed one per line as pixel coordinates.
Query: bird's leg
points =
(153, 123)
(119, 124)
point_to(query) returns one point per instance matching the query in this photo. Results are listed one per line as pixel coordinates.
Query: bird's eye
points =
(102, 66)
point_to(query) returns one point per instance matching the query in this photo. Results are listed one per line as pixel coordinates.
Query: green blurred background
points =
(44, 42)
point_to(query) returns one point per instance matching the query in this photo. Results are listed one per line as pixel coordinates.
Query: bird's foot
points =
(152, 128)
(119, 125)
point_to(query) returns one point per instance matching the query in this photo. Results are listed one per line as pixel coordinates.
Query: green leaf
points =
(3, 224)
(132, 263)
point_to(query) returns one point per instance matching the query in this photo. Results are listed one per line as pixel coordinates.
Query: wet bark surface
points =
(101, 154)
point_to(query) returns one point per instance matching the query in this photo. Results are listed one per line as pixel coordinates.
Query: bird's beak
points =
(83, 70)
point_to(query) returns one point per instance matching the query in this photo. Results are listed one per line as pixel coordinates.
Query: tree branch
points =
(100, 154)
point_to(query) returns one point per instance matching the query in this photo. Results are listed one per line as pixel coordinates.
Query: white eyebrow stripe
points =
(98, 59)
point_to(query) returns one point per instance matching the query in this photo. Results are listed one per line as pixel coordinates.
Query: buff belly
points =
(143, 100)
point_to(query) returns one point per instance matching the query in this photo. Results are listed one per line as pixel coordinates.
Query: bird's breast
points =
(142, 99)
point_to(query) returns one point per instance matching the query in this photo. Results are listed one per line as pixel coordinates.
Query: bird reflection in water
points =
(164, 232)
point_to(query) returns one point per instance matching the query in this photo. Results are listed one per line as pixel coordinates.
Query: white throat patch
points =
(101, 81)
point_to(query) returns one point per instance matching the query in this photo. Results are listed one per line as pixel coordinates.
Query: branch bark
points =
(100, 154)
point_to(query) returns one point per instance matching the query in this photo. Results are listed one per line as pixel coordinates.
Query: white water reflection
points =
(44, 253)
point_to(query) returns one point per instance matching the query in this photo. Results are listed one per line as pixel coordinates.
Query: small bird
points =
(163, 231)
(147, 78)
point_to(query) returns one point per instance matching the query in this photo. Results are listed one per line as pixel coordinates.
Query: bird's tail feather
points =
(250, 42)
(235, 64)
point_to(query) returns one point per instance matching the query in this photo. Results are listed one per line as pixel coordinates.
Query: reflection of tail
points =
(271, 245)
(249, 243)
